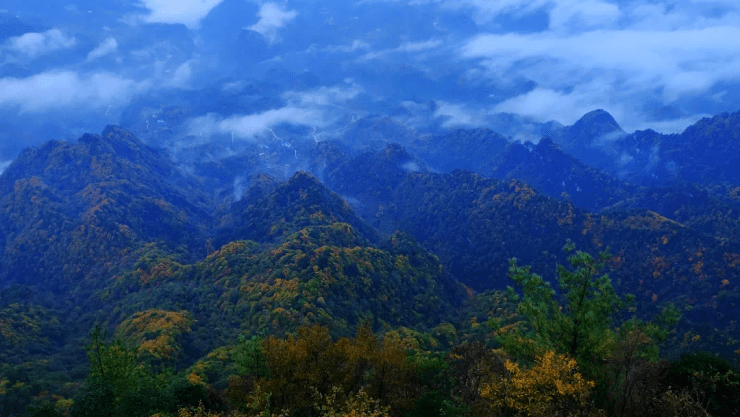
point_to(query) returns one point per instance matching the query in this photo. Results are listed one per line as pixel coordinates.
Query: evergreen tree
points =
(577, 322)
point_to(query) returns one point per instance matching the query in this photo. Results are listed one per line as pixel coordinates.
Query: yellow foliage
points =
(200, 411)
(195, 379)
(155, 331)
(358, 405)
(698, 267)
(551, 387)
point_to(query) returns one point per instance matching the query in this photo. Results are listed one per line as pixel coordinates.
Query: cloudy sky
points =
(239, 68)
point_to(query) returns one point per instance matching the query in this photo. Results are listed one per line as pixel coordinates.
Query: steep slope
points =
(270, 211)
(322, 274)
(690, 204)
(475, 225)
(589, 129)
(477, 150)
(373, 176)
(708, 152)
(553, 172)
(67, 210)
(705, 153)
(591, 139)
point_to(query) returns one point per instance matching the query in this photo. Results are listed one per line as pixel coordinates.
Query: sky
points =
(191, 71)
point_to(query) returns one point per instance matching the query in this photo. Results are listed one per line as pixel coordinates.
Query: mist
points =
(184, 74)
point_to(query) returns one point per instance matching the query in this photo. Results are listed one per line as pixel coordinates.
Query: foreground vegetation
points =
(569, 352)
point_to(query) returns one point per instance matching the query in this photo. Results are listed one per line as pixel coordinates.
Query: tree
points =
(249, 359)
(551, 387)
(579, 326)
(117, 384)
(713, 379)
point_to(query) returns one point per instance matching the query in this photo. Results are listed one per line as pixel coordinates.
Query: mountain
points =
(548, 169)
(269, 211)
(476, 224)
(328, 274)
(597, 125)
(708, 151)
(375, 175)
(181, 257)
(699, 208)
(477, 150)
(69, 209)
(108, 231)
(649, 158)
(590, 139)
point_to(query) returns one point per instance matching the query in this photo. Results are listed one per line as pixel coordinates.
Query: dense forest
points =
(463, 274)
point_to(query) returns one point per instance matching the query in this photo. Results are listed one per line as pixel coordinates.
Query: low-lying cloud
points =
(36, 44)
(317, 108)
(4, 165)
(186, 12)
(458, 115)
(66, 90)
(249, 127)
(108, 46)
(272, 18)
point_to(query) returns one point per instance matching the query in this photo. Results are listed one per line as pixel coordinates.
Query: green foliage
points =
(249, 358)
(716, 382)
(117, 381)
(108, 230)
(581, 324)
(95, 400)
(42, 409)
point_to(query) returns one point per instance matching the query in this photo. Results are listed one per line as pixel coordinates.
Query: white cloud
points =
(108, 46)
(4, 165)
(314, 108)
(66, 90)
(272, 17)
(35, 44)
(585, 12)
(187, 12)
(323, 96)
(608, 68)
(418, 46)
(458, 115)
(406, 47)
(355, 46)
(250, 126)
(182, 74)
(566, 15)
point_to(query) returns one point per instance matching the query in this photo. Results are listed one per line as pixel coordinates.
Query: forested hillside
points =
(372, 279)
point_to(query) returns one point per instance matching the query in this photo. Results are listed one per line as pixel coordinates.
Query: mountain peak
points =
(292, 205)
(598, 122)
(584, 133)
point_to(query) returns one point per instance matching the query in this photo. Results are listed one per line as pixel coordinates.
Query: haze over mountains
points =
(237, 68)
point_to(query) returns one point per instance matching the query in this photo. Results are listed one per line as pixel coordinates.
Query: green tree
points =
(577, 322)
(118, 385)
(249, 359)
